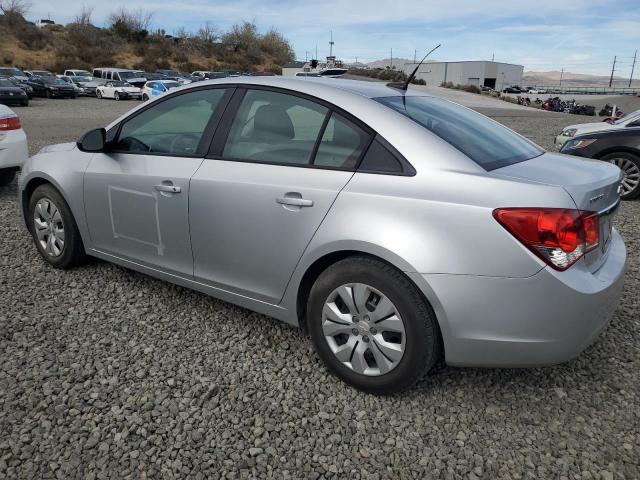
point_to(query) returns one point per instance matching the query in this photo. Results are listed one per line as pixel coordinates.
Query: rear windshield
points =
(484, 141)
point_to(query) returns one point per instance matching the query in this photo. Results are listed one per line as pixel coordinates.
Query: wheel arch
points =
(320, 264)
(618, 149)
(30, 186)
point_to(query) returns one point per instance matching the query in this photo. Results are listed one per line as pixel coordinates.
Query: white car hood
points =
(58, 147)
(592, 127)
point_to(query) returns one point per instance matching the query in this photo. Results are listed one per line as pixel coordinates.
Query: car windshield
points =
(631, 117)
(121, 84)
(483, 140)
(171, 84)
(53, 80)
(6, 83)
(81, 73)
(128, 75)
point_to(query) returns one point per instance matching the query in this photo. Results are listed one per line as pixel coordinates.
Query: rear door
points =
(137, 195)
(277, 165)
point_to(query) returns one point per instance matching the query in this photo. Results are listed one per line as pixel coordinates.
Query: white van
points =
(121, 74)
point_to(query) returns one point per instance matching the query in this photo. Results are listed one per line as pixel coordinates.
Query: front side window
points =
(483, 140)
(275, 127)
(174, 126)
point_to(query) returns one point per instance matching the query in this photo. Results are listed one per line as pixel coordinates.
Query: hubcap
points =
(630, 172)
(49, 228)
(363, 329)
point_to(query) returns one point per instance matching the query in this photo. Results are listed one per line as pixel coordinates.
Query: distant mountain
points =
(385, 62)
(575, 79)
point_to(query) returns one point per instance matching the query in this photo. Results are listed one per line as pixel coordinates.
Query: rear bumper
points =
(13, 149)
(545, 319)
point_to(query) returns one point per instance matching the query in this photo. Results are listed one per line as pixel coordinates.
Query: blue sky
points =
(579, 35)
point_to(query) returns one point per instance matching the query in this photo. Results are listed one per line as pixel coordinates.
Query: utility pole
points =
(331, 42)
(493, 57)
(561, 75)
(391, 59)
(316, 53)
(613, 69)
(633, 66)
(356, 62)
(306, 55)
(415, 52)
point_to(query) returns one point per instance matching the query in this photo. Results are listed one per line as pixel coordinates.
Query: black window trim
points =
(222, 133)
(209, 130)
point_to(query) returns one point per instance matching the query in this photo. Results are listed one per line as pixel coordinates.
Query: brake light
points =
(9, 123)
(558, 236)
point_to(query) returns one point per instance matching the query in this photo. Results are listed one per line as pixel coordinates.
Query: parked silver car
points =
(392, 226)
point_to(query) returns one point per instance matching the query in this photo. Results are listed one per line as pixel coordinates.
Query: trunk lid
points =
(592, 184)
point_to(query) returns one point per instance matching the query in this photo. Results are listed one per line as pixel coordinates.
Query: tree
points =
(131, 25)
(14, 11)
(83, 17)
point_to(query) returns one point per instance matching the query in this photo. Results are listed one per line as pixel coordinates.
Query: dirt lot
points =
(107, 373)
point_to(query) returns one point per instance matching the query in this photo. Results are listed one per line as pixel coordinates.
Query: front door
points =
(255, 208)
(137, 195)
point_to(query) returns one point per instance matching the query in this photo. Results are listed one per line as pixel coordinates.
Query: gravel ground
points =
(107, 373)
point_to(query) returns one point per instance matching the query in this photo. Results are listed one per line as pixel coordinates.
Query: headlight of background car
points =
(581, 143)
(569, 132)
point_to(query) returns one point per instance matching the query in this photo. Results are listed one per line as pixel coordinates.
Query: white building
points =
(496, 75)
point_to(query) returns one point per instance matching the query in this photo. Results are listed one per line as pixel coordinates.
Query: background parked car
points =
(118, 90)
(13, 145)
(512, 89)
(630, 120)
(620, 147)
(78, 75)
(52, 87)
(157, 88)
(13, 72)
(11, 94)
(38, 73)
(70, 82)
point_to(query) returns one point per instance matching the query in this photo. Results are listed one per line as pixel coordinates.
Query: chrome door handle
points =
(296, 202)
(167, 188)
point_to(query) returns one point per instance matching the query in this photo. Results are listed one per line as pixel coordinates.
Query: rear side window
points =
(275, 127)
(483, 140)
(342, 144)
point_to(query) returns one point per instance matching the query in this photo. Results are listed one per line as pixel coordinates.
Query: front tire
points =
(145, 97)
(630, 166)
(54, 229)
(98, 94)
(47, 94)
(371, 326)
(6, 176)
(116, 96)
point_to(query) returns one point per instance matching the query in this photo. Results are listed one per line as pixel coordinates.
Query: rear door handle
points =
(167, 188)
(295, 202)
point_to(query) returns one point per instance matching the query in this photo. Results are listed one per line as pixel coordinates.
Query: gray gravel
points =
(107, 373)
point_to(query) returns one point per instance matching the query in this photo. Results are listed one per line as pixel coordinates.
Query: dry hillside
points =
(127, 44)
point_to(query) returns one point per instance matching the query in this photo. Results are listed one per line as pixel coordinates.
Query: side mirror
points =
(93, 141)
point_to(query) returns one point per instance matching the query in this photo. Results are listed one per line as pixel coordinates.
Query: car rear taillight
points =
(9, 123)
(558, 236)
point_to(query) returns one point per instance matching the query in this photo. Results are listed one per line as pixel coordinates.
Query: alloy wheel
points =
(363, 329)
(631, 174)
(49, 228)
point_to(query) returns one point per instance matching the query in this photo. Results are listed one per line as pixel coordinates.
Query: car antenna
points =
(405, 85)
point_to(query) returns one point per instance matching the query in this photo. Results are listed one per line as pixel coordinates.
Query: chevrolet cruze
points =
(392, 226)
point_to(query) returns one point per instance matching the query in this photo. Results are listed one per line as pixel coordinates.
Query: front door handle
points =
(295, 201)
(167, 188)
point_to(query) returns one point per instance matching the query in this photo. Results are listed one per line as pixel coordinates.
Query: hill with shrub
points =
(128, 42)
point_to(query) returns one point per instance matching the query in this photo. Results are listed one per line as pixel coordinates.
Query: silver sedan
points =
(394, 227)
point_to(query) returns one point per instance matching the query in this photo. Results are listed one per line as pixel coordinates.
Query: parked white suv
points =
(13, 145)
(631, 120)
(120, 74)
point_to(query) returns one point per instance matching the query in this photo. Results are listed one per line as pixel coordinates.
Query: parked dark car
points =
(512, 89)
(10, 94)
(52, 87)
(23, 85)
(620, 147)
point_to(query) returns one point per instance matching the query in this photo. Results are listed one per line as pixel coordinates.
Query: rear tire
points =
(363, 338)
(6, 176)
(71, 252)
(98, 94)
(630, 166)
(47, 93)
